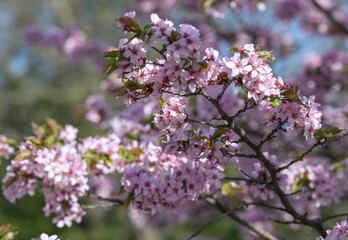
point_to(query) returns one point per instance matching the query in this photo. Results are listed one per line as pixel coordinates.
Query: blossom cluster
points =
(316, 182)
(97, 109)
(71, 42)
(258, 184)
(182, 70)
(6, 150)
(312, 18)
(324, 75)
(339, 232)
(44, 236)
(57, 168)
(63, 167)
(172, 117)
(306, 117)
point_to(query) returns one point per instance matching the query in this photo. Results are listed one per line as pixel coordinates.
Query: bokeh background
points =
(37, 81)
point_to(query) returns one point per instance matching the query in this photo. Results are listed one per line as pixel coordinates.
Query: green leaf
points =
(234, 49)
(10, 181)
(107, 159)
(109, 71)
(148, 27)
(123, 91)
(53, 126)
(122, 152)
(291, 92)
(245, 54)
(208, 3)
(228, 190)
(131, 85)
(136, 151)
(335, 130)
(267, 55)
(218, 133)
(34, 141)
(275, 101)
(300, 183)
(130, 23)
(8, 232)
(110, 62)
(49, 140)
(111, 54)
(321, 133)
(90, 155)
(91, 158)
(204, 65)
(161, 102)
(10, 142)
(174, 35)
(128, 199)
(23, 154)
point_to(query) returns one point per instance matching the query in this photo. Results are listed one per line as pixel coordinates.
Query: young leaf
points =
(128, 199)
(130, 23)
(275, 101)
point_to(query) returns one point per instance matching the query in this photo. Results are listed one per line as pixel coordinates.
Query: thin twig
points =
(183, 95)
(112, 200)
(207, 123)
(271, 135)
(210, 222)
(237, 154)
(93, 206)
(318, 143)
(252, 227)
(244, 180)
(294, 193)
(285, 222)
(244, 109)
(218, 98)
(333, 217)
(266, 206)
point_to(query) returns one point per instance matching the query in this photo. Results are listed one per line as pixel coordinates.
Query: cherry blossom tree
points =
(194, 112)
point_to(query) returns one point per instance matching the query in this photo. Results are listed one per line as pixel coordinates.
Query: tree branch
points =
(300, 158)
(271, 169)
